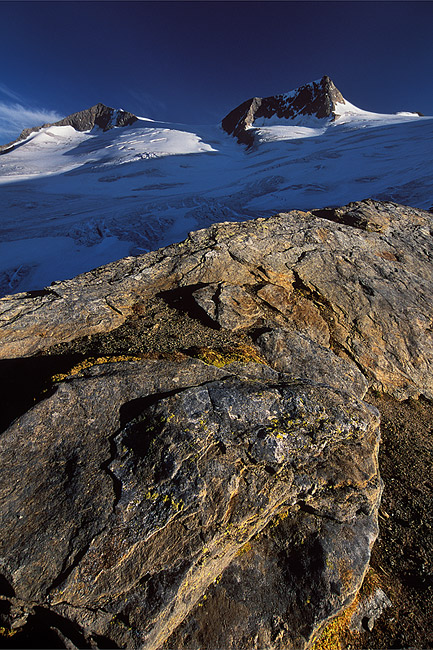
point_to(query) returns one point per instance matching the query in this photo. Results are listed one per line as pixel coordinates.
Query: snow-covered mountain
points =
(319, 99)
(81, 193)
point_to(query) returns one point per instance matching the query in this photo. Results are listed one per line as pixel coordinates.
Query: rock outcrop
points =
(318, 99)
(206, 475)
(98, 115)
(357, 280)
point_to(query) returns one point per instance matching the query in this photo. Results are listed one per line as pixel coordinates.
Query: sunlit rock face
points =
(355, 279)
(196, 465)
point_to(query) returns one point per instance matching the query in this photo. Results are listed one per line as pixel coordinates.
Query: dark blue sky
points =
(194, 61)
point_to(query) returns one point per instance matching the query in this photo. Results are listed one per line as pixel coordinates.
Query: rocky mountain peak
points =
(98, 115)
(317, 99)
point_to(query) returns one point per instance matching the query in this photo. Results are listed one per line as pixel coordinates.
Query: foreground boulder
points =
(138, 487)
(206, 475)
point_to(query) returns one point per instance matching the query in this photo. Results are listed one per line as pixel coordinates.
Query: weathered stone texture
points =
(358, 280)
(137, 484)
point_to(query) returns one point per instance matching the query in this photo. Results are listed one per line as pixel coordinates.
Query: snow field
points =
(71, 201)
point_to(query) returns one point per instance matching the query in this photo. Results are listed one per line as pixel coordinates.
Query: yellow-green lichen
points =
(332, 635)
(246, 548)
(278, 518)
(223, 356)
(175, 504)
(6, 633)
(89, 363)
(218, 579)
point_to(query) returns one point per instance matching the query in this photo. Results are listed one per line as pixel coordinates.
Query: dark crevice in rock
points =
(6, 588)
(5, 607)
(256, 332)
(306, 291)
(345, 353)
(305, 507)
(183, 300)
(216, 300)
(124, 619)
(41, 293)
(367, 215)
(132, 412)
(300, 563)
(103, 642)
(302, 256)
(366, 289)
(46, 629)
(318, 300)
(113, 307)
(333, 214)
(25, 382)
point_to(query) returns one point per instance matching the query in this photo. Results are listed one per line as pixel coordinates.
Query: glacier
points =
(72, 201)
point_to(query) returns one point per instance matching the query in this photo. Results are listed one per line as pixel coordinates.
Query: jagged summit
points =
(97, 115)
(317, 99)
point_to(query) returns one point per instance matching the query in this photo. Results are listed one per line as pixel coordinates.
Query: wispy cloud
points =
(5, 90)
(14, 117)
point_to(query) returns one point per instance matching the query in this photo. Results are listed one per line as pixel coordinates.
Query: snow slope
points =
(71, 201)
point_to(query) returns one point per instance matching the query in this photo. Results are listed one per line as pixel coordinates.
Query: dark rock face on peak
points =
(317, 98)
(98, 115)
